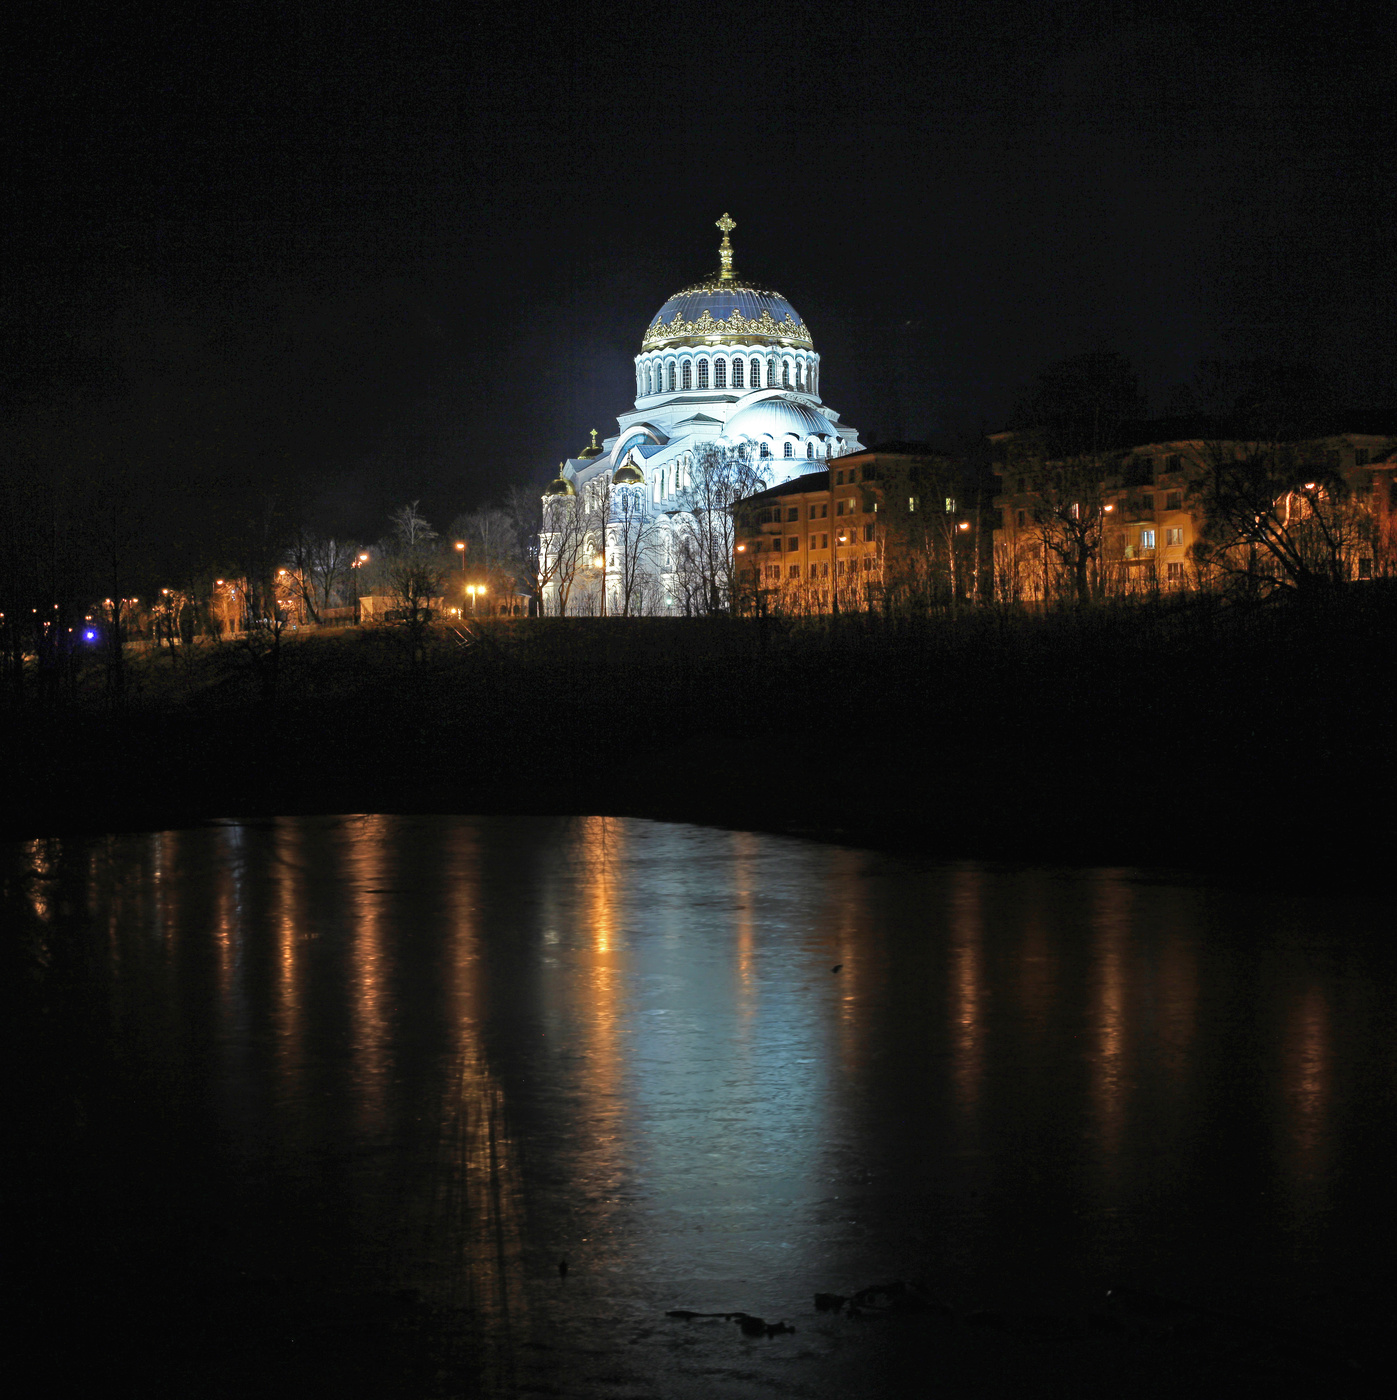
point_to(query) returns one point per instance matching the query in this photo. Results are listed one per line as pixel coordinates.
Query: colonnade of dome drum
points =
(668, 371)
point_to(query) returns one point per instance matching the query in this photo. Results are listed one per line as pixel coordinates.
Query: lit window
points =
(737, 374)
(1146, 539)
(756, 374)
(911, 503)
(1175, 573)
(671, 374)
(703, 374)
(809, 450)
(790, 450)
(951, 507)
(771, 374)
(720, 374)
(688, 375)
(766, 449)
(1174, 535)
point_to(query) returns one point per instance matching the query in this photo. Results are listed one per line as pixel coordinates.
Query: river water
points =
(333, 1097)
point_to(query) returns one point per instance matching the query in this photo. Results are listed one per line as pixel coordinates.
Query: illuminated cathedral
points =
(723, 362)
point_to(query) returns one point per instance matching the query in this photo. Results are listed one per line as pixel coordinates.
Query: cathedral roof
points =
(725, 309)
(777, 418)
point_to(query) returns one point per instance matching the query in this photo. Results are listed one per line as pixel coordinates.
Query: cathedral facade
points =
(727, 373)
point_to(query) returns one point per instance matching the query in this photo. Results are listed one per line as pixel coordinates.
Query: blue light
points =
(90, 635)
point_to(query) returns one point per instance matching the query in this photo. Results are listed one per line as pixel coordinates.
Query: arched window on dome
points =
(814, 378)
(785, 374)
(737, 374)
(766, 449)
(688, 374)
(671, 376)
(771, 374)
(720, 374)
(809, 451)
(756, 374)
(790, 450)
(650, 379)
(703, 374)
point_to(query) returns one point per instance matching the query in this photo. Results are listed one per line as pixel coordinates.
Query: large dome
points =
(724, 310)
(724, 313)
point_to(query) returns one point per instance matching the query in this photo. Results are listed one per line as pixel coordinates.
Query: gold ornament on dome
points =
(766, 325)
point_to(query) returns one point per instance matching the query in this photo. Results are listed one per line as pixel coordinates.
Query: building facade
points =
(880, 528)
(1141, 513)
(727, 381)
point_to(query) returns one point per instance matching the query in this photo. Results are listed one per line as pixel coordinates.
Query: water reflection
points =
(445, 1053)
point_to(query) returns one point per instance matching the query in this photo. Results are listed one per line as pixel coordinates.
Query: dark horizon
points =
(375, 259)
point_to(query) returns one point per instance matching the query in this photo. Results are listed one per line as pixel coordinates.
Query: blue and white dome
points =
(718, 312)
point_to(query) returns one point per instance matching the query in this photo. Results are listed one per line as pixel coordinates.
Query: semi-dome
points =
(777, 419)
(724, 309)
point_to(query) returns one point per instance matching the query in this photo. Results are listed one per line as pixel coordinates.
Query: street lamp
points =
(475, 590)
(354, 567)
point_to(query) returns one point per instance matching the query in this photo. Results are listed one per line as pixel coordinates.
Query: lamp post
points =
(354, 568)
(475, 590)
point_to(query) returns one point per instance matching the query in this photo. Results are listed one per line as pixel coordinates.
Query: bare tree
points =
(704, 533)
(561, 553)
(317, 565)
(633, 541)
(413, 567)
(493, 555)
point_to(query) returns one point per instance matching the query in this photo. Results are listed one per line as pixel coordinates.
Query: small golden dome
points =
(560, 486)
(588, 453)
(629, 475)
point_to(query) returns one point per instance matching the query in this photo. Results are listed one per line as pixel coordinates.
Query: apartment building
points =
(873, 525)
(1147, 503)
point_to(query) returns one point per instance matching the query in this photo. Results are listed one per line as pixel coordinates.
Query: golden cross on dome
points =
(725, 247)
(594, 439)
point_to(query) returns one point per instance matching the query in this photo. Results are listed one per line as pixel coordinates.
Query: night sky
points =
(410, 251)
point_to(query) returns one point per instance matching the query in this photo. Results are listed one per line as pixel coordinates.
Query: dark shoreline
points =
(1186, 737)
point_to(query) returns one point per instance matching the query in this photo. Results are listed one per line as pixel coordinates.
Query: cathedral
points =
(726, 371)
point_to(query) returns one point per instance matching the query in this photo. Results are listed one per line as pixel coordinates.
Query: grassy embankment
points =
(1185, 733)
